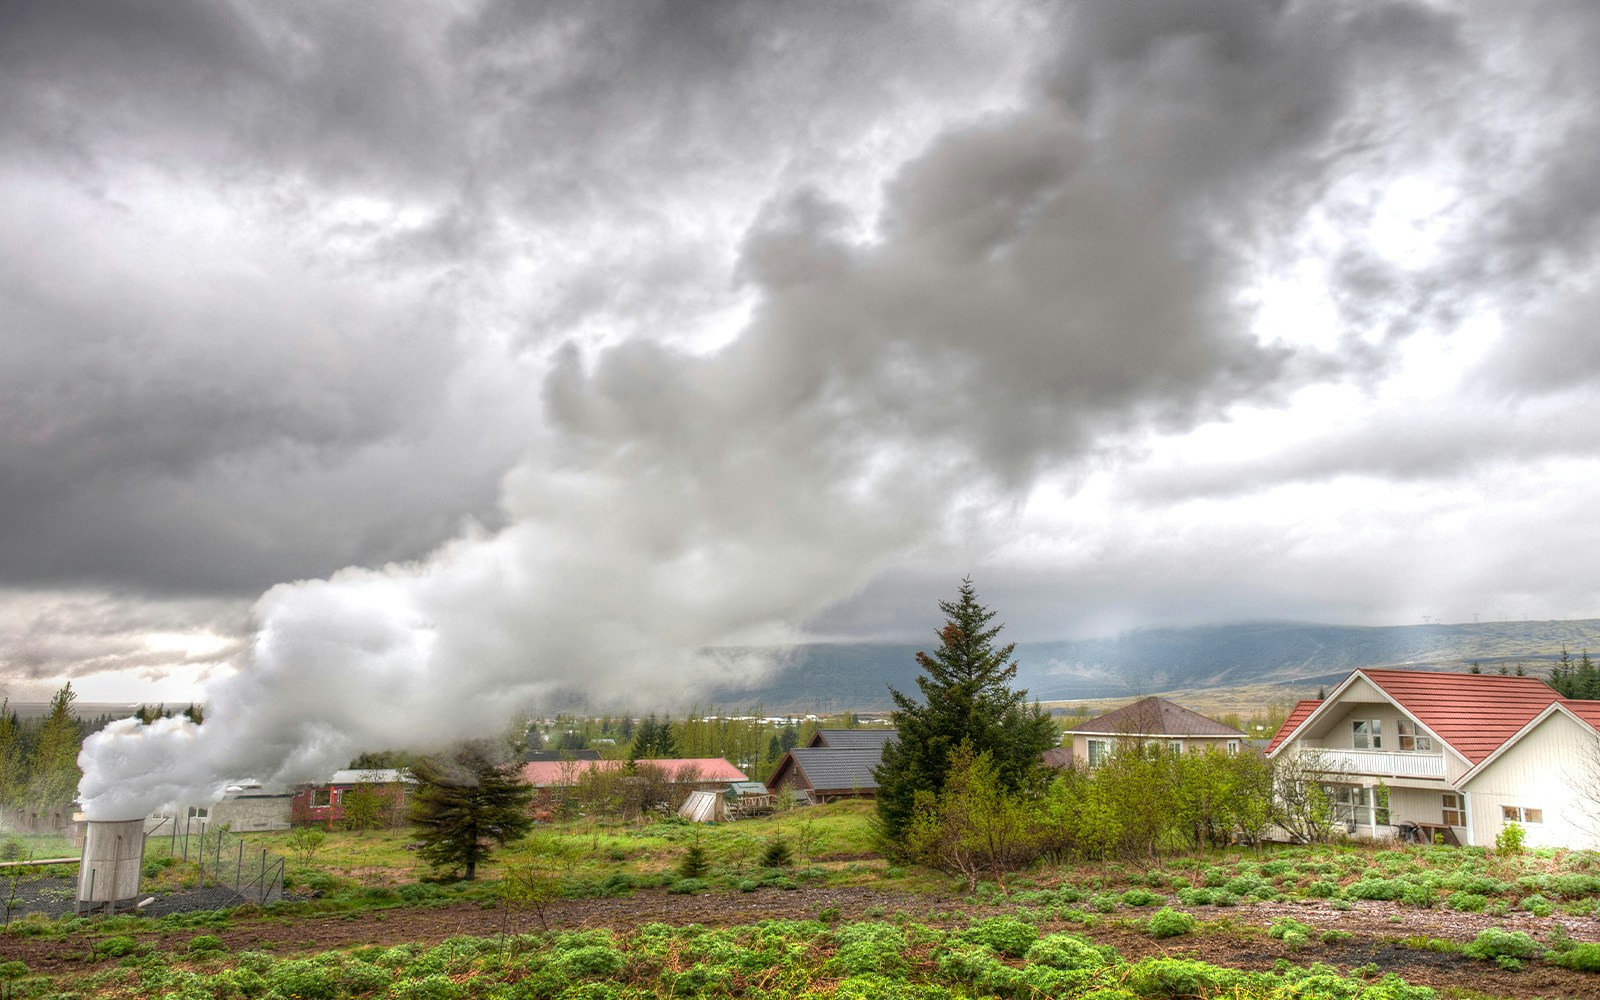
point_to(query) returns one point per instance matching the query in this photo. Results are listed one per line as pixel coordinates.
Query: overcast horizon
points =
(543, 346)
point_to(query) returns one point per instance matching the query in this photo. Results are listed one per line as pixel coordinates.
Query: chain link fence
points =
(188, 865)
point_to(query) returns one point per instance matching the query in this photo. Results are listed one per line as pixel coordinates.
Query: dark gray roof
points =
(1155, 717)
(829, 769)
(853, 739)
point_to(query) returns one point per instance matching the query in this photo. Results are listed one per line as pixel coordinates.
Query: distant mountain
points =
(832, 677)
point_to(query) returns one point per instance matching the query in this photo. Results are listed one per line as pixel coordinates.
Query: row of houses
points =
(1401, 752)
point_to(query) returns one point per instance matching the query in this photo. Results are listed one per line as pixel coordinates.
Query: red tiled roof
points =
(545, 773)
(1474, 713)
(1297, 715)
(1588, 711)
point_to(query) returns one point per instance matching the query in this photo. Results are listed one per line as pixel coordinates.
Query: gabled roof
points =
(829, 769)
(1586, 712)
(1474, 714)
(1155, 717)
(544, 774)
(1297, 715)
(853, 739)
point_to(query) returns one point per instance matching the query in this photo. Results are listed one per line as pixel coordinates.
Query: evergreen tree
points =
(13, 757)
(1561, 675)
(53, 780)
(1587, 678)
(967, 701)
(468, 800)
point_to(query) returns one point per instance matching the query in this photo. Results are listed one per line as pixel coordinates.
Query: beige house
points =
(1457, 755)
(1147, 720)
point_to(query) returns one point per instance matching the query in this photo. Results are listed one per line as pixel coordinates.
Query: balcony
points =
(1379, 762)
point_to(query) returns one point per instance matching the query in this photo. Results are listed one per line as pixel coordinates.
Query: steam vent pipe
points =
(113, 853)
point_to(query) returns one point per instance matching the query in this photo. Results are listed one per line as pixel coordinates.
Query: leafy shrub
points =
(116, 947)
(1536, 905)
(204, 943)
(358, 978)
(1497, 944)
(1167, 922)
(1336, 936)
(1177, 977)
(1063, 951)
(595, 960)
(1287, 925)
(688, 886)
(254, 961)
(304, 979)
(1006, 935)
(1196, 897)
(431, 987)
(1104, 902)
(1582, 957)
(1251, 885)
(1419, 894)
(1376, 888)
(870, 947)
(1222, 897)
(1322, 889)
(1510, 839)
(1142, 897)
(1468, 902)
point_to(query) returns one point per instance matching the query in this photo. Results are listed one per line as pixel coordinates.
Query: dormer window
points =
(1367, 733)
(1414, 737)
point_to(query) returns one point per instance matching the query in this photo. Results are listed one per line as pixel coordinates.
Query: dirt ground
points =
(1377, 927)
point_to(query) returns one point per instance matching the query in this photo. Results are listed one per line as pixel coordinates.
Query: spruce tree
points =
(13, 758)
(469, 800)
(967, 700)
(53, 779)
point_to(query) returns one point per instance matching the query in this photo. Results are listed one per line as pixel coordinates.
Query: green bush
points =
(436, 986)
(1376, 888)
(359, 978)
(1287, 925)
(1006, 935)
(695, 864)
(1536, 905)
(1582, 957)
(1322, 889)
(1336, 936)
(1063, 951)
(1497, 944)
(1142, 897)
(589, 961)
(303, 979)
(205, 943)
(117, 947)
(1510, 839)
(688, 886)
(1105, 902)
(1467, 902)
(1167, 922)
(777, 854)
(1196, 897)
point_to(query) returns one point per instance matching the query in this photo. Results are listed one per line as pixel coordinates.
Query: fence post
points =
(238, 868)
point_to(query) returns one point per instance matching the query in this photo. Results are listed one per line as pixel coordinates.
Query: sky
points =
(521, 350)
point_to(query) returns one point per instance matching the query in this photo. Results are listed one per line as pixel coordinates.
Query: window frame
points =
(1522, 815)
(1419, 737)
(1459, 810)
(1372, 734)
(1096, 751)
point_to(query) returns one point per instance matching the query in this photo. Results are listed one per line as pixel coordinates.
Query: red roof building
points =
(1457, 755)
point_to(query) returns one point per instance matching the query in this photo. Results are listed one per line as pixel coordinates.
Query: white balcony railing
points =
(1395, 765)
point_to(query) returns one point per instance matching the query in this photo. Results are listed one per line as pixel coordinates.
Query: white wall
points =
(1548, 769)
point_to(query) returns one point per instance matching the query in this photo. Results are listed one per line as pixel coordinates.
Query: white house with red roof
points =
(1462, 755)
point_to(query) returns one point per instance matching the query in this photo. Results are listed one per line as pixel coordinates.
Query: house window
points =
(198, 812)
(1368, 734)
(1233, 746)
(1414, 737)
(321, 798)
(1176, 746)
(1351, 803)
(1521, 814)
(1099, 750)
(1455, 810)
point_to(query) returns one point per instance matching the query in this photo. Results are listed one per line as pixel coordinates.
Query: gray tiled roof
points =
(830, 769)
(853, 739)
(1155, 717)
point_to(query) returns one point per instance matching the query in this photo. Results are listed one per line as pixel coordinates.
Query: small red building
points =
(322, 804)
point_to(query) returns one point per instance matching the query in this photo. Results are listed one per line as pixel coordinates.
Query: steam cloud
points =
(1038, 286)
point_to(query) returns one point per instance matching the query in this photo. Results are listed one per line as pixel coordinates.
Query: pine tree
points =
(13, 758)
(967, 701)
(468, 800)
(54, 777)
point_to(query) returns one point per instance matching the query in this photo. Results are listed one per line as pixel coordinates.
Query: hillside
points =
(826, 677)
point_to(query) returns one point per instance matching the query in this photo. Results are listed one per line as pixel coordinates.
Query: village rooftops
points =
(545, 774)
(1156, 717)
(853, 739)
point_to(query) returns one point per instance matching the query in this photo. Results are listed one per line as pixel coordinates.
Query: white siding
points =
(1547, 769)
